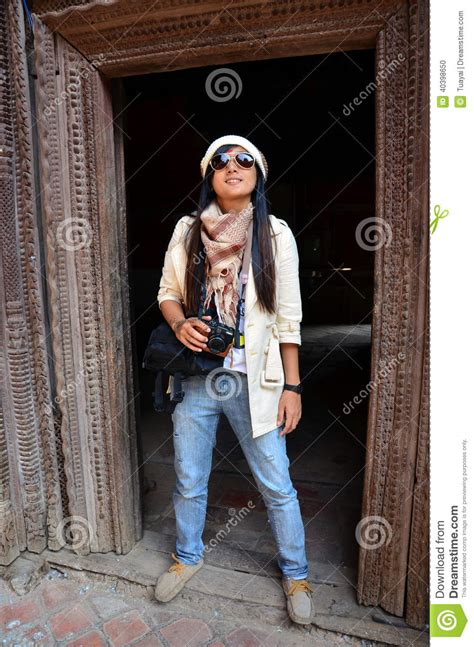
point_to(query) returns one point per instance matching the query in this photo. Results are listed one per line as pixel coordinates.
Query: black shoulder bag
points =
(165, 355)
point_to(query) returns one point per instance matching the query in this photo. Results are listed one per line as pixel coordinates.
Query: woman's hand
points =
(289, 409)
(187, 331)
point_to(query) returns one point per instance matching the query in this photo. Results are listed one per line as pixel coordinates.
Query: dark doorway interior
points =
(322, 182)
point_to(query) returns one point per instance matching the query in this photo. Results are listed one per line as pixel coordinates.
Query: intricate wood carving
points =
(418, 563)
(30, 498)
(133, 37)
(12, 539)
(90, 332)
(396, 427)
(417, 607)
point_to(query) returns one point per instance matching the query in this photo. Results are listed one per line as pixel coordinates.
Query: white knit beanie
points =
(238, 141)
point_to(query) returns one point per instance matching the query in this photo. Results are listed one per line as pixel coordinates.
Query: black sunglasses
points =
(221, 160)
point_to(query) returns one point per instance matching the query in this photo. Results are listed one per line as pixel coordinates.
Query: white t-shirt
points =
(236, 355)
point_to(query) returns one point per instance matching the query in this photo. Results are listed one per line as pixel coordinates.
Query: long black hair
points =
(263, 262)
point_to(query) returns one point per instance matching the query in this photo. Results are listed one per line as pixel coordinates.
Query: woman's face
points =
(233, 181)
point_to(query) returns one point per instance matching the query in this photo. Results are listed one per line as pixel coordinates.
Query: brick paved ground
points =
(61, 611)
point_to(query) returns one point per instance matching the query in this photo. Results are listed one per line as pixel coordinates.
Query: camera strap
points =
(243, 280)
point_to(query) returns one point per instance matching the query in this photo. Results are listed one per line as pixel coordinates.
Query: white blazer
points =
(263, 332)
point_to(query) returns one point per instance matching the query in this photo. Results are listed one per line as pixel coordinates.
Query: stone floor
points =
(103, 600)
(62, 611)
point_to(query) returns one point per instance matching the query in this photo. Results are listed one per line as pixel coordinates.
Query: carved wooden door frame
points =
(81, 185)
(84, 222)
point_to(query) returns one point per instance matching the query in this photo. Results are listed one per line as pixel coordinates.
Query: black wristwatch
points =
(296, 388)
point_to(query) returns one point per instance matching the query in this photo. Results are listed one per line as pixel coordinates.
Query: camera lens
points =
(216, 345)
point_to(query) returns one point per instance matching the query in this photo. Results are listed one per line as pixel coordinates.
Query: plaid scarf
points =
(224, 236)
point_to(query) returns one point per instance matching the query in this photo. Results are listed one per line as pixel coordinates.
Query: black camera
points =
(219, 337)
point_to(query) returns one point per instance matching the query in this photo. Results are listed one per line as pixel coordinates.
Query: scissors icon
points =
(438, 215)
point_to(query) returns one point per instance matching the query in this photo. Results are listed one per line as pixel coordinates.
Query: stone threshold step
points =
(251, 561)
(336, 607)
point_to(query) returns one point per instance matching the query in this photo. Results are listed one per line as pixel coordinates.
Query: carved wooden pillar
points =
(86, 270)
(31, 507)
(396, 475)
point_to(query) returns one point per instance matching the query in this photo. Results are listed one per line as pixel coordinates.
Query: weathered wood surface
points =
(86, 270)
(31, 506)
(395, 502)
(122, 37)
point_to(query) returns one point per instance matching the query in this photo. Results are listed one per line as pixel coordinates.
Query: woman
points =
(256, 383)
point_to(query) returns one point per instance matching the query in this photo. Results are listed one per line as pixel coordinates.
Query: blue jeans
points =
(195, 422)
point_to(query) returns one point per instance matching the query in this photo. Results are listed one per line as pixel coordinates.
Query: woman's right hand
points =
(189, 332)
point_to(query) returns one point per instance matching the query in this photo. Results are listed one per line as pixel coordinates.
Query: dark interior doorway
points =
(322, 182)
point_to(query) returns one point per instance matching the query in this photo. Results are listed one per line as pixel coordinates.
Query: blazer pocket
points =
(272, 374)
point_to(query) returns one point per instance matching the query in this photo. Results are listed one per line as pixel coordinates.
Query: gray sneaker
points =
(298, 600)
(173, 580)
